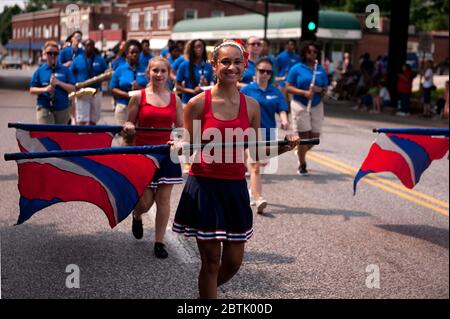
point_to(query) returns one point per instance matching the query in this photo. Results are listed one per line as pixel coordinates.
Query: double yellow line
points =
(384, 184)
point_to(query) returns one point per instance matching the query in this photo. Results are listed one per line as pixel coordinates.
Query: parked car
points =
(11, 62)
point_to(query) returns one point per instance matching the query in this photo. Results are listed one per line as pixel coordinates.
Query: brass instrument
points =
(83, 92)
(99, 78)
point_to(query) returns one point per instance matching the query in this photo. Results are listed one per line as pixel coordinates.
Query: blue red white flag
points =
(114, 183)
(407, 156)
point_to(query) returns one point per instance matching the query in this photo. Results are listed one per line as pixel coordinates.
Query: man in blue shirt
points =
(145, 55)
(52, 82)
(286, 60)
(84, 67)
(69, 53)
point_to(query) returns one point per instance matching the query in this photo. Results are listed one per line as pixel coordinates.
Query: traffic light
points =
(310, 19)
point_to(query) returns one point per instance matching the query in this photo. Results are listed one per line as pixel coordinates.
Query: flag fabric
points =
(114, 183)
(406, 156)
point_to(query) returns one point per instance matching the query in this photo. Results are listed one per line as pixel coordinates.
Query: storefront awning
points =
(281, 25)
(25, 45)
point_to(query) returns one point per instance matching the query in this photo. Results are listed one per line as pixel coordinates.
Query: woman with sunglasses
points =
(52, 82)
(130, 76)
(254, 48)
(271, 101)
(215, 206)
(298, 83)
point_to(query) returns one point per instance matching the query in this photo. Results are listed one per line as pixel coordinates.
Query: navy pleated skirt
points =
(168, 173)
(214, 209)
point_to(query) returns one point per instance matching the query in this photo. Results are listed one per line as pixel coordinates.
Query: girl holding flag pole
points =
(215, 205)
(155, 107)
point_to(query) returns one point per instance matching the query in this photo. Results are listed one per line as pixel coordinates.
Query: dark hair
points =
(304, 48)
(291, 41)
(69, 38)
(132, 42)
(264, 60)
(145, 41)
(266, 40)
(192, 58)
(173, 47)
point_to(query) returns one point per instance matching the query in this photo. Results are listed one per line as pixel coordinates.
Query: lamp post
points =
(101, 27)
(30, 53)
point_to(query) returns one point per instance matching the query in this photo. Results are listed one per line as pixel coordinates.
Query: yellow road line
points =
(379, 185)
(384, 181)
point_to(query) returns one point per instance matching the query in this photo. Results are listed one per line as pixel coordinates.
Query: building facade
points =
(155, 20)
(30, 31)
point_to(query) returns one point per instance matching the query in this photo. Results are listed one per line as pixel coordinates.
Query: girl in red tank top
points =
(155, 107)
(215, 206)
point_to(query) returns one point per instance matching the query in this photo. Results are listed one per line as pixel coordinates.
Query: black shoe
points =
(302, 171)
(137, 228)
(160, 251)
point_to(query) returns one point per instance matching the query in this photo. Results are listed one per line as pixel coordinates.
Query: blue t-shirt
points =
(164, 52)
(124, 76)
(118, 62)
(41, 78)
(176, 64)
(249, 73)
(84, 68)
(144, 59)
(300, 76)
(271, 101)
(68, 54)
(183, 74)
(285, 62)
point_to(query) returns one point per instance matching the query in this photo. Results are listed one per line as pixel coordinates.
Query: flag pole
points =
(82, 128)
(149, 149)
(414, 131)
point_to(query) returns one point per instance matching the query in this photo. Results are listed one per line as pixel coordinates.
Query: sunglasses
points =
(255, 44)
(262, 71)
(52, 53)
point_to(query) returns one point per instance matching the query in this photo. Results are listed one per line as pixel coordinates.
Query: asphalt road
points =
(316, 239)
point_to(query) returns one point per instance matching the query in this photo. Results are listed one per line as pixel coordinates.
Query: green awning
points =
(278, 24)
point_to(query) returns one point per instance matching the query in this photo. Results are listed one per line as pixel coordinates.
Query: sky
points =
(11, 3)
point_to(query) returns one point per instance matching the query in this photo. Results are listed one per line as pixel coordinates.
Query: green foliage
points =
(5, 22)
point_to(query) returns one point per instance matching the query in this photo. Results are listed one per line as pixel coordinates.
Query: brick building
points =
(155, 19)
(30, 31)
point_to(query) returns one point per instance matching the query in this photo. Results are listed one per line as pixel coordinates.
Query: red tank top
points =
(232, 165)
(155, 116)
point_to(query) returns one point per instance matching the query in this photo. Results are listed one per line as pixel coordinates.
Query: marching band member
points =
(298, 83)
(194, 73)
(145, 56)
(52, 82)
(69, 53)
(84, 67)
(215, 205)
(271, 101)
(128, 77)
(156, 107)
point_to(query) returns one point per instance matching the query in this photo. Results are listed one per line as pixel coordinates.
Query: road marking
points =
(384, 181)
(404, 193)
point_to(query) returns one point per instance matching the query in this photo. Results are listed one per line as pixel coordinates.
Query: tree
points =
(5, 22)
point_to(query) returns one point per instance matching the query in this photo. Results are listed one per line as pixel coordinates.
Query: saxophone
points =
(84, 89)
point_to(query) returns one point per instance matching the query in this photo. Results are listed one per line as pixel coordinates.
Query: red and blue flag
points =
(406, 155)
(114, 183)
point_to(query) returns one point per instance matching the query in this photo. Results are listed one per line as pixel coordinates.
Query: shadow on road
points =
(347, 214)
(316, 177)
(434, 235)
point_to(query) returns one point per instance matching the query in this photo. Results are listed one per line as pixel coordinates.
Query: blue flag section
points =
(406, 153)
